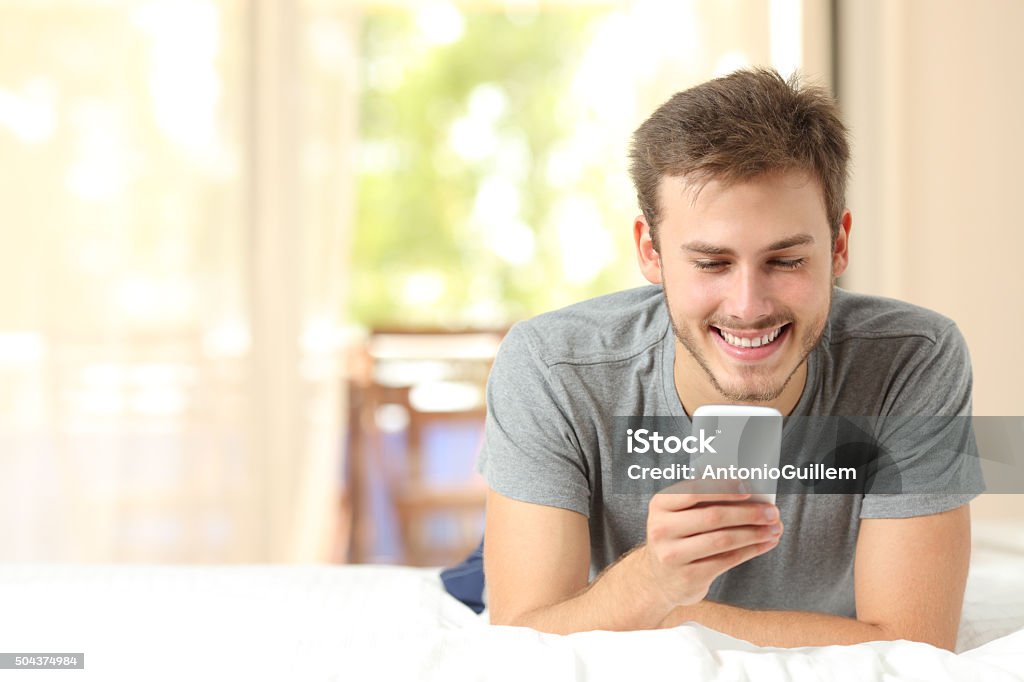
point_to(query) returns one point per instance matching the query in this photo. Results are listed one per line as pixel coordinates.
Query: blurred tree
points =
(457, 216)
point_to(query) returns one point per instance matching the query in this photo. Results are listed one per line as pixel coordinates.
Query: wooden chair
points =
(437, 378)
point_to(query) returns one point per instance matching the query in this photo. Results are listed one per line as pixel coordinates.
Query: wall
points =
(932, 91)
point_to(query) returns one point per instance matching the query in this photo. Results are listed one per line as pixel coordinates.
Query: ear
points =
(841, 252)
(647, 255)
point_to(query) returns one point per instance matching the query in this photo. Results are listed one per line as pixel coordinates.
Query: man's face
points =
(747, 271)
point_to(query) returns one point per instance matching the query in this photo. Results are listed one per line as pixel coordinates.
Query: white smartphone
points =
(747, 436)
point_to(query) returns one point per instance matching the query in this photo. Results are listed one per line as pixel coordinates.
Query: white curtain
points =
(177, 189)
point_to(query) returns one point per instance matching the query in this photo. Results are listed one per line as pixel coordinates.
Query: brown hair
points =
(737, 127)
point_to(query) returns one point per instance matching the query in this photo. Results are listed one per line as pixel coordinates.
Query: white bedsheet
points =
(994, 599)
(373, 622)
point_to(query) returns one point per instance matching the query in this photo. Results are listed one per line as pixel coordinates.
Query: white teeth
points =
(750, 343)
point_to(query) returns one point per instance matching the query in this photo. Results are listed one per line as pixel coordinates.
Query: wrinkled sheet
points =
(376, 622)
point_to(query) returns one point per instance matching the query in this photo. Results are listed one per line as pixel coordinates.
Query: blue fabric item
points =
(465, 582)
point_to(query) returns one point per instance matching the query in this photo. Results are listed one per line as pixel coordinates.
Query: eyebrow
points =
(713, 250)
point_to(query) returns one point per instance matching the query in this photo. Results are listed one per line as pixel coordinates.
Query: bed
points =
(377, 622)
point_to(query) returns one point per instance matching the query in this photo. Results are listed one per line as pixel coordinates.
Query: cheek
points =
(808, 295)
(693, 298)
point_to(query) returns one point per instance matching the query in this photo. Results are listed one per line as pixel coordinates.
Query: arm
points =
(537, 561)
(909, 576)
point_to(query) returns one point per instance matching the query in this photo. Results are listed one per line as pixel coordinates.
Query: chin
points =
(752, 393)
(761, 384)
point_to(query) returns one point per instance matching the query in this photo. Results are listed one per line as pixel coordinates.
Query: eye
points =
(709, 265)
(788, 263)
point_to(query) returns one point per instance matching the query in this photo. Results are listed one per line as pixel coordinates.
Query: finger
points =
(671, 500)
(700, 547)
(666, 525)
(711, 567)
(703, 518)
(701, 486)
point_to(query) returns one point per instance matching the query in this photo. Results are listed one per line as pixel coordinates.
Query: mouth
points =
(751, 345)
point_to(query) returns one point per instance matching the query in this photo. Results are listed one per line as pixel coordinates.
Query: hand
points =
(692, 538)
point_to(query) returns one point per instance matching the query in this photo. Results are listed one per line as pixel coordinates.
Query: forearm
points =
(778, 628)
(618, 599)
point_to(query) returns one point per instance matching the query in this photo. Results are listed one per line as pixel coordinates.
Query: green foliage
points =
(420, 254)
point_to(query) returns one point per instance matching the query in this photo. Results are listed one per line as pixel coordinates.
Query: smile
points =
(751, 346)
(750, 341)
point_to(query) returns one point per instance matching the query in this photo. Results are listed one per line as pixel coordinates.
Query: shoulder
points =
(862, 317)
(885, 356)
(609, 328)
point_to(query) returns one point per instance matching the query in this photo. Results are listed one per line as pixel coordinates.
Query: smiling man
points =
(741, 184)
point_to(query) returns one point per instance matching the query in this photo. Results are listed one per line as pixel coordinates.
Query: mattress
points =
(374, 622)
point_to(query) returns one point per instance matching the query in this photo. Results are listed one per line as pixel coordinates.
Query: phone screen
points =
(747, 446)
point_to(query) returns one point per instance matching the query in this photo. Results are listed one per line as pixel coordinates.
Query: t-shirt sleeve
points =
(927, 439)
(531, 452)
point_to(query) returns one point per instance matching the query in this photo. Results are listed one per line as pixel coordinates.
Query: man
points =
(741, 184)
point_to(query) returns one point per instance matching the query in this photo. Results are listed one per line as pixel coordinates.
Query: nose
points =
(748, 298)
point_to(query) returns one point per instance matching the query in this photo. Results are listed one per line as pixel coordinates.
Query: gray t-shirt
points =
(561, 378)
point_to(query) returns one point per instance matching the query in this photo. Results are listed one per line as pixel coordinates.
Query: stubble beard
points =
(762, 391)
